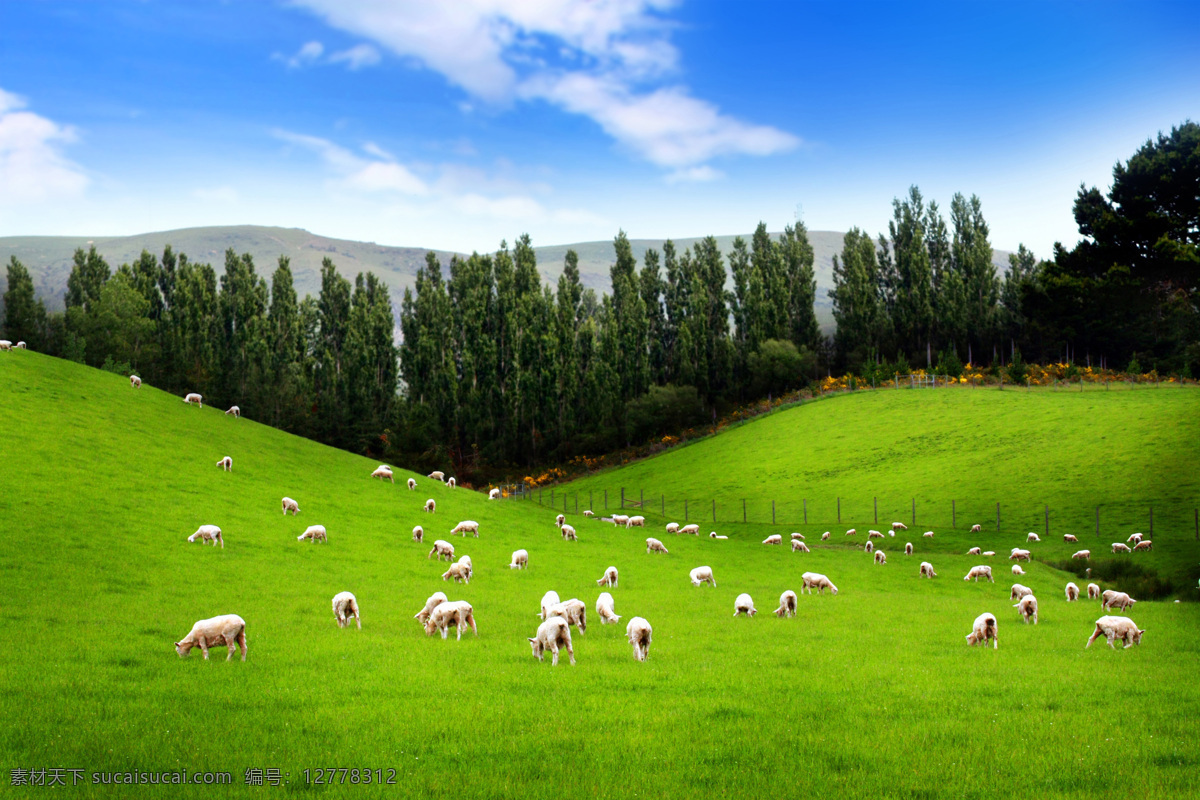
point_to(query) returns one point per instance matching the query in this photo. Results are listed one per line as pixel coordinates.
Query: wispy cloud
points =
(699, 174)
(357, 57)
(309, 53)
(33, 167)
(313, 54)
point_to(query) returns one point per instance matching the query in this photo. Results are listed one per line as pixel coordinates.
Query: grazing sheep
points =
(208, 533)
(620, 520)
(869, 547)
(1122, 628)
(851, 532)
(713, 535)
(573, 611)
(655, 546)
(466, 562)
(818, 581)
(639, 633)
(974, 551)
(981, 571)
(702, 575)
(135, 381)
(345, 606)
(1113, 599)
(899, 526)
(568, 533)
(983, 630)
(552, 635)
(430, 505)
(194, 398)
(976, 529)
(290, 505)
(458, 573)
(5, 344)
(226, 464)
(1085, 555)
(636, 521)
(1069, 537)
(20, 345)
(1027, 606)
(825, 536)
(494, 494)
(233, 411)
(1143, 545)
(1016, 570)
(787, 604)
(1019, 555)
(559, 520)
(927, 534)
(520, 559)
(773, 539)
(908, 549)
(874, 535)
(1072, 592)
(744, 605)
(800, 546)
(418, 534)
(383, 473)
(927, 570)
(549, 599)
(437, 475)
(880, 557)
(457, 613)
(314, 533)
(692, 529)
(604, 609)
(609, 578)
(443, 549)
(1032, 537)
(1117, 547)
(229, 630)
(1135, 538)
(465, 527)
(672, 527)
(451, 483)
(1019, 591)
(1093, 591)
(435, 600)
(989, 553)
(589, 513)
(797, 536)
(412, 484)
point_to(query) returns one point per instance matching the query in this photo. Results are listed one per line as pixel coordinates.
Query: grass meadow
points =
(872, 693)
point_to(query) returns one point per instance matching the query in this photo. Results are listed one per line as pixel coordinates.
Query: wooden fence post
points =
(714, 502)
(743, 510)
(839, 511)
(806, 513)
(997, 517)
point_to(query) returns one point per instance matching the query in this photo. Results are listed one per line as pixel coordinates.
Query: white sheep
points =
(345, 606)
(233, 411)
(1019, 555)
(494, 494)
(458, 613)
(927, 534)
(466, 562)
(1122, 628)
(20, 346)
(1093, 591)
(702, 575)
(1027, 606)
(559, 520)
(553, 634)
(290, 505)
(412, 484)
(797, 535)
(927, 570)
(787, 604)
(713, 535)
(549, 599)
(981, 571)
(869, 547)
(1069, 537)
(1084, 555)
(226, 464)
(636, 521)
(800, 546)
(1135, 538)
(851, 532)
(1143, 545)
(825, 536)
(430, 505)
(383, 472)
(437, 475)
(458, 573)
(773, 539)
(1018, 591)
(1119, 600)
(989, 553)
(1072, 592)
(1117, 547)
(974, 551)
(908, 548)
(418, 533)
(899, 526)
(620, 520)
(655, 546)
(1032, 537)
(818, 581)
(229, 630)
(442, 549)
(604, 609)
(208, 533)
(520, 559)
(568, 533)
(5, 344)
(744, 605)
(874, 535)
(451, 482)
(976, 528)
(194, 398)
(465, 527)
(692, 529)
(435, 600)
(639, 634)
(314, 533)
(983, 630)
(135, 381)
(1016, 570)
(573, 611)
(589, 513)
(880, 557)
(672, 527)
(609, 578)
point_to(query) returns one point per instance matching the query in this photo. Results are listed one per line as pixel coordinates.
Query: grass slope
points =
(868, 694)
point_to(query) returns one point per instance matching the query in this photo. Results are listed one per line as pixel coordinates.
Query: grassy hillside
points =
(869, 693)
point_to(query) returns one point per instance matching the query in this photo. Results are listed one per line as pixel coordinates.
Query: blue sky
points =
(456, 124)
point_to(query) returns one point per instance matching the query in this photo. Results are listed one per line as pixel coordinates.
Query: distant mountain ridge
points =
(48, 258)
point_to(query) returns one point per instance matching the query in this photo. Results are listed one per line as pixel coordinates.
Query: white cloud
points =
(600, 59)
(32, 165)
(312, 53)
(357, 57)
(309, 53)
(699, 174)
(379, 176)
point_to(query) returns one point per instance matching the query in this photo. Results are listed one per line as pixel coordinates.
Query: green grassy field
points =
(872, 693)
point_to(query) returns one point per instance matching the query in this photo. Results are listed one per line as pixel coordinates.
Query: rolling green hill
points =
(868, 693)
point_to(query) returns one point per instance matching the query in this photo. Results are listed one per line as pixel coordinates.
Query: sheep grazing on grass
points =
(773, 539)
(314, 533)
(604, 609)
(193, 398)
(899, 526)
(573, 611)
(981, 571)
(290, 505)
(1072, 592)
(549, 599)
(1113, 599)
(457, 613)
(815, 580)
(976, 529)
(233, 411)
(465, 527)
(1019, 555)
(208, 533)
(797, 536)
(655, 546)
(787, 604)
(384, 473)
(609, 578)
(702, 575)
(908, 548)
(451, 482)
(713, 535)
(1135, 538)
(345, 606)
(869, 547)
(494, 494)
(466, 562)
(744, 605)
(672, 527)
(559, 520)
(1027, 606)
(442, 549)
(619, 520)
(989, 553)
(520, 559)
(226, 464)
(1019, 591)
(851, 532)
(20, 346)
(825, 536)
(983, 630)
(435, 600)
(874, 535)
(636, 521)
(692, 529)
(799, 546)
(568, 533)
(1093, 591)
(437, 475)
(927, 570)
(927, 534)
(974, 551)
(639, 633)
(1084, 555)
(880, 557)
(135, 381)
(1032, 537)
(1143, 545)
(1069, 537)
(430, 506)
(1111, 628)
(228, 630)
(5, 344)
(458, 573)
(418, 533)
(412, 484)
(589, 513)
(553, 634)
(1016, 570)
(1118, 547)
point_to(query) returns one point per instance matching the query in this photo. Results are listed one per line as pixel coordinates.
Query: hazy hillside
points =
(49, 257)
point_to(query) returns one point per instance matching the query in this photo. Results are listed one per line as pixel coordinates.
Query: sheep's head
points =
(1137, 636)
(536, 646)
(185, 647)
